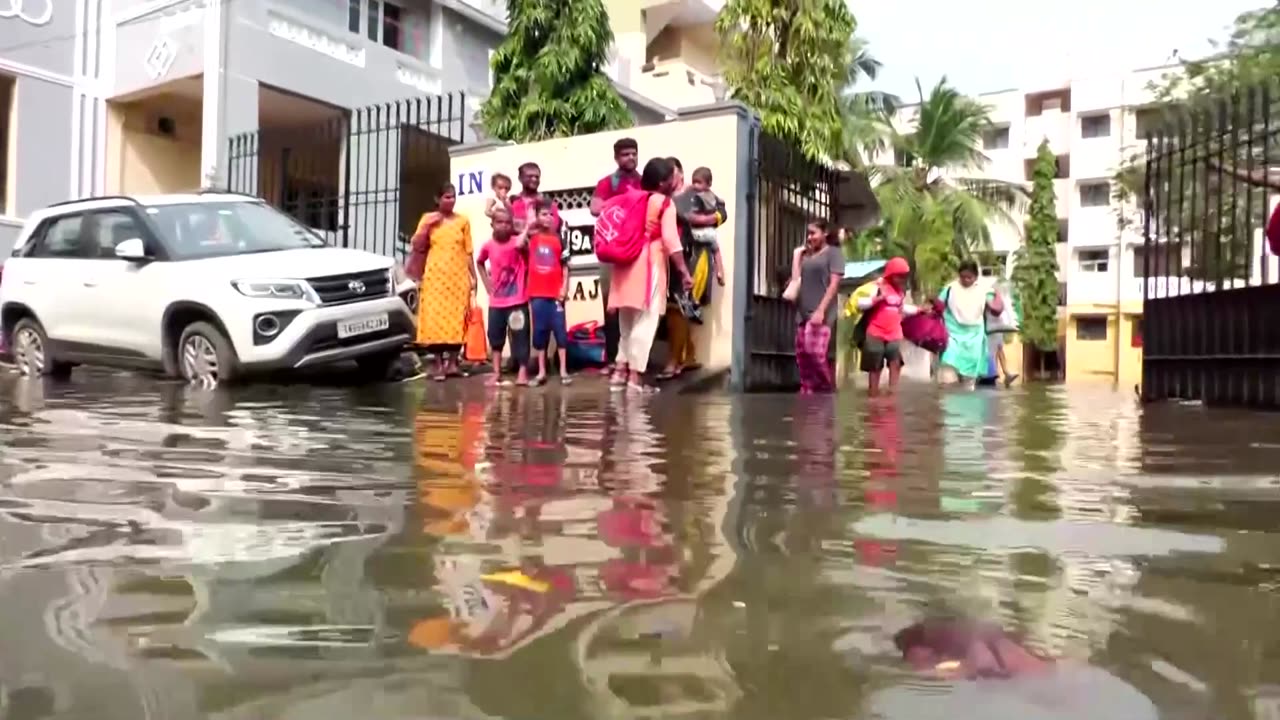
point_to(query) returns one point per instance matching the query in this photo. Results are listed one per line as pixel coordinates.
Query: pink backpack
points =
(620, 234)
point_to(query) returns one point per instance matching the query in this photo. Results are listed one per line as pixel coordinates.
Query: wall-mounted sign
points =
(32, 12)
(578, 239)
(470, 183)
(585, 289)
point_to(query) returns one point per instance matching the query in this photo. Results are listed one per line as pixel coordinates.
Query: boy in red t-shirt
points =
(884, 311)
(548, 289)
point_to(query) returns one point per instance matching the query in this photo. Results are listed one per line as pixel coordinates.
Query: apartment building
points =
(137, 96)
(43, 96)
(666, 50)
(1093, 125)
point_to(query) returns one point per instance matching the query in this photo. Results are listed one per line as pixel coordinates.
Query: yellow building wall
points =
(1093, 360)
(579, 163)
(1130, 357)
(142, 161)
(626, 15)
(1013, 354)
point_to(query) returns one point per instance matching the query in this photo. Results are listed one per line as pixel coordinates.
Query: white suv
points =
(204, 286)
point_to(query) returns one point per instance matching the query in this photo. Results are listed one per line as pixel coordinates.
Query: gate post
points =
(349, 127)
(744, 242)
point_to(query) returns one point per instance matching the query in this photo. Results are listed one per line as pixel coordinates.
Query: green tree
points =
(1209, 107)
(934, 213)
(790, 61)
(866, 113)
(1035, 270)
(1250, 56)
(547, 73)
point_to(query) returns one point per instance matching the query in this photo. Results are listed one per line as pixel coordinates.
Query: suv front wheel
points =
(205, 355)
(380, 367)
(31, 353)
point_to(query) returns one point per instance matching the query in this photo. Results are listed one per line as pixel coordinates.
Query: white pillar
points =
(213, 150)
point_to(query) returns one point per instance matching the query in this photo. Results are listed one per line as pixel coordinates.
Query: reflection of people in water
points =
(815, 427)
(446, 448)
(488, 614)
(884, 435)
(529, 466)
(649, 566)
(965, 419)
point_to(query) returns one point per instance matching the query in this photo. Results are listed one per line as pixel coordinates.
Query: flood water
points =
(455, 552)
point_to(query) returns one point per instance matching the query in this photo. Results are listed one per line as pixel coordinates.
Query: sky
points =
(990, 45)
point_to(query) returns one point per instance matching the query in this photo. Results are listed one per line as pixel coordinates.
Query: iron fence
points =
(1209, 284)
(363, 178)
(787, 192)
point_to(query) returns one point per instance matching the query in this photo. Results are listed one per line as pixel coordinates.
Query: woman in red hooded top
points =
(884, 312)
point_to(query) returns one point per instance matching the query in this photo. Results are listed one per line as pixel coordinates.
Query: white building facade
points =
(140, 96)
(1093, 125)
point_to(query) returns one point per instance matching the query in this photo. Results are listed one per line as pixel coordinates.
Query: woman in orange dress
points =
(441, 247)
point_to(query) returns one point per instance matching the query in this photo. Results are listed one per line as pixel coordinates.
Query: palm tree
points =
(935, 213)
(865, 112)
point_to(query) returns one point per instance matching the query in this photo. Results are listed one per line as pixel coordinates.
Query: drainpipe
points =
(217, 23)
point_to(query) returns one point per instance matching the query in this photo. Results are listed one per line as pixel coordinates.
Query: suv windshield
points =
(203, 230)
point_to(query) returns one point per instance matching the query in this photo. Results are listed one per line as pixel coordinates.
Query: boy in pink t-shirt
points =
(884, 312)
(503, 268)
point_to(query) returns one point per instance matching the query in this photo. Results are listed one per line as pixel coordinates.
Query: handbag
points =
(792, 290)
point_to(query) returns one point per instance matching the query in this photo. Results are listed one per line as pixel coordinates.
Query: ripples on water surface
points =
(294, 552)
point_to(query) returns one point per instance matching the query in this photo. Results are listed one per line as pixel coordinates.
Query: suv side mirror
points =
(132, 250)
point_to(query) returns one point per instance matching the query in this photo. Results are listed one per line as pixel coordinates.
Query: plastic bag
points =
(476, 346)
(1005, 322)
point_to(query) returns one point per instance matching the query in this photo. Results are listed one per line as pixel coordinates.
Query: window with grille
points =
(1095, 194)
(1091, 328)
(1095, 126)
(1097, 261)
(996, 138)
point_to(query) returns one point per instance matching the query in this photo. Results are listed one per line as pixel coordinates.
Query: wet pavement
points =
(456, 552)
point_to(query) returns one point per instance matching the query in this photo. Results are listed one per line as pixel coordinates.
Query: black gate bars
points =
(361, 178)
(1210, 292)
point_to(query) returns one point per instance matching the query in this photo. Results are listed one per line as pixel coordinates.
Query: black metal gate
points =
(787, 192)
(1210, 292)
(362, 179)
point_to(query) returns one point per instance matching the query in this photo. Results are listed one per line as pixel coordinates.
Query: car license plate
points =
(363, 326)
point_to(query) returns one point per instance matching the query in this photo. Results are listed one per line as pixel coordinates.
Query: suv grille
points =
(352, 287)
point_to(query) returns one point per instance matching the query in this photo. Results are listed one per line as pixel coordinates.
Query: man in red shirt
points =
(523, 204)
(626, 154)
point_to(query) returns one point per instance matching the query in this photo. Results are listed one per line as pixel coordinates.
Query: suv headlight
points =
(278, 289)
(398, 276)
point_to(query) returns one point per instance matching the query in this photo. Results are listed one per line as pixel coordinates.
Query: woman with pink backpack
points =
(636, 234)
